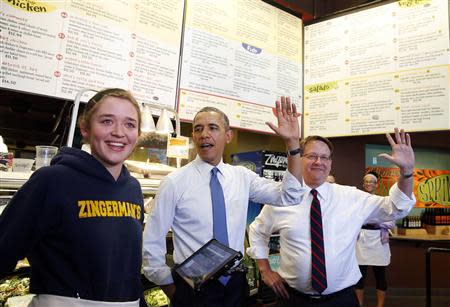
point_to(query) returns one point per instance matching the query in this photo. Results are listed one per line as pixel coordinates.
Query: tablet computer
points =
(209, 261)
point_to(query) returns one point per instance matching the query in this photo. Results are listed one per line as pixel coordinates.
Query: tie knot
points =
(314, 192)
(214, 171)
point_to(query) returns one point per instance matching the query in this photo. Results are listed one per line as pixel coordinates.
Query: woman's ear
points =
(84, 130)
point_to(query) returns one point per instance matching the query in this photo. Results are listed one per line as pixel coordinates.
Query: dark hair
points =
(95, 101)
(313, 138)
(225, 120)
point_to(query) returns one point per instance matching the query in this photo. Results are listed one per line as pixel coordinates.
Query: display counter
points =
(12, 181)
(423, 238)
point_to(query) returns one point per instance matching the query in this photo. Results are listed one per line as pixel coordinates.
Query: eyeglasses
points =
(314, 158)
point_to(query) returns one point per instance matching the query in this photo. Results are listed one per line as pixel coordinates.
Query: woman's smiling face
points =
(112, 132)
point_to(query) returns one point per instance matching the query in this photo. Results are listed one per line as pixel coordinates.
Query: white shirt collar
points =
(323, 190)
(204, 168)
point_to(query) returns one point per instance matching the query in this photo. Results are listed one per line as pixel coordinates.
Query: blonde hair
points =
(97, 99)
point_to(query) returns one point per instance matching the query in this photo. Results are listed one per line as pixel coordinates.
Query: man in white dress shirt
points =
(183, 203)
(344, 210)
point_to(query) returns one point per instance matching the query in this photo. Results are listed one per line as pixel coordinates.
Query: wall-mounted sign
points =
(379, 68)
(56, 48)
(240, 56)
(431, 187)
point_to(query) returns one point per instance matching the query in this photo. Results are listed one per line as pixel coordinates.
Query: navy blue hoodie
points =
(80, 229)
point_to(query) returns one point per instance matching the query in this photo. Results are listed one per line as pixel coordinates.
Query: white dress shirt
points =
(344, 210)
(183, 203)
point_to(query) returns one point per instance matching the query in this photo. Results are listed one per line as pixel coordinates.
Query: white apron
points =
(370, 250)
(47, 300)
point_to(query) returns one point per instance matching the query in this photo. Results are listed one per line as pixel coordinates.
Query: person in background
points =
(185, 204)
(331, 179)
(318, 265)
(372, 248)
(79, 221)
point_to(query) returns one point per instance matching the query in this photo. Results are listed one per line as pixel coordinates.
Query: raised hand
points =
(287, 117)
(402, 153)
(403, 156)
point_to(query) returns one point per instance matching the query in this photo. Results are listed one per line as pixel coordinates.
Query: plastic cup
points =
(22, 165)
(44, 155)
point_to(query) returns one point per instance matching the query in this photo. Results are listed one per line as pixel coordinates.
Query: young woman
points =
(372, 249)
(79, 221)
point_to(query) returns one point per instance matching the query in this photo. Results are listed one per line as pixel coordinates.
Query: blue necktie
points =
(318, 269)
(220, 232)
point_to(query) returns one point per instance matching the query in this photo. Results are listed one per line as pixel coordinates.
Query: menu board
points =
(376, 69)
(56, 48)
(239, 56)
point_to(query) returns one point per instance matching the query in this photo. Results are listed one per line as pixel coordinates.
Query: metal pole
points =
(428, 277)
(73, 120)
(428, 270)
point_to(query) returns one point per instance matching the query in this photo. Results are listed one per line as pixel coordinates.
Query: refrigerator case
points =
(268, 164)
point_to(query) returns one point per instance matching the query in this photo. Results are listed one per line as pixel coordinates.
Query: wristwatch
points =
(293, 152)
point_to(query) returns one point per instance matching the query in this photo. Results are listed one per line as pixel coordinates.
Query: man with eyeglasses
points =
(318, 266)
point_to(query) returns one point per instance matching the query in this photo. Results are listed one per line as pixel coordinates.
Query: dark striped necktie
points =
(318, 270)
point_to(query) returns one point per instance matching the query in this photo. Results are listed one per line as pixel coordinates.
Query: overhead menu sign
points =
(56, 48)
(380, 68)
(239, 56)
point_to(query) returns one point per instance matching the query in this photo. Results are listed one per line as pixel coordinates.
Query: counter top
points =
(424, 237)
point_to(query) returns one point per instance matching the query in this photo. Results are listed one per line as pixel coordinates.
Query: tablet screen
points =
(206, 261)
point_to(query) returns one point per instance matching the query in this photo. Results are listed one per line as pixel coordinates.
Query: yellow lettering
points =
(102, 208)
(113, 206)
(94, 208)
(131, 210)
(109, 208)
(132, 214)
(436, 189)
(138, 214)
(122, 208)
(89, 206)
(82, 213)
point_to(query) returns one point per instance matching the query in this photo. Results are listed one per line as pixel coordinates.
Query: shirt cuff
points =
(162, 276)
(400, 198)
(258, 252)
(293, 190)
(291, 180)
